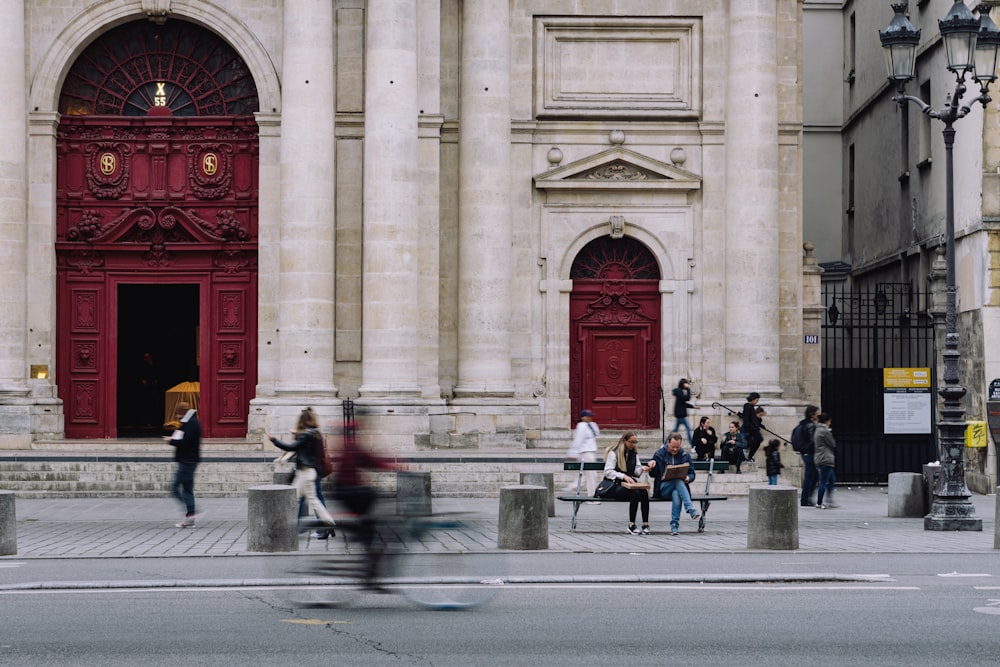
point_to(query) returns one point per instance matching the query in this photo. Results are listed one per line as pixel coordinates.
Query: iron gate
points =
(866, 330)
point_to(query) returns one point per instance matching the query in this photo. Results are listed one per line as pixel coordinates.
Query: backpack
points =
(800, 436)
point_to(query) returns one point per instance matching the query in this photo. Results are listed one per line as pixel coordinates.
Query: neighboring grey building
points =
(888, 184)
(474, 218)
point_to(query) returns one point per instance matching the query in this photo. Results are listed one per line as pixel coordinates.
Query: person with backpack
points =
(802, 442)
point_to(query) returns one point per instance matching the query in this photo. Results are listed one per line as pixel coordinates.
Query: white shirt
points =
(584, 439)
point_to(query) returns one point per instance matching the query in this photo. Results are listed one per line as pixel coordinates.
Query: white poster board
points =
(906, 401)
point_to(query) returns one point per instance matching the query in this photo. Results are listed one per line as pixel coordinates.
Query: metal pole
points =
(952, 508)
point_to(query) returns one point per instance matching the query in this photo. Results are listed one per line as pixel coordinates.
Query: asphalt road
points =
(908, 609)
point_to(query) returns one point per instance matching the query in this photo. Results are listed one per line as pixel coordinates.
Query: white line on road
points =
(965, 574)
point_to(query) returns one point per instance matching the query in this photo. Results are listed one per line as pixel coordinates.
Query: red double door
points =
(156, 262)
(614, 356)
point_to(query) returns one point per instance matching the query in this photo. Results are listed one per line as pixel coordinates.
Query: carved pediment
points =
(157, 226)
(618, 169)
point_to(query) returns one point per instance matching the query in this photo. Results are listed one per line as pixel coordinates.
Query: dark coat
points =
(187, 441)
(306, 447)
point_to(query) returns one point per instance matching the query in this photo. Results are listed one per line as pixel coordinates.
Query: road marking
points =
(992, 608)
(314, 621)
(965, 574)
(14, 564)
(731, 587)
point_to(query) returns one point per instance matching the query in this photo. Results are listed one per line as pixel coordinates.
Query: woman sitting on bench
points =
(621, 464)
(668, 458)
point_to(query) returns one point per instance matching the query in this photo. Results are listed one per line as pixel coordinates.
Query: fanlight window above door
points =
(138, 67)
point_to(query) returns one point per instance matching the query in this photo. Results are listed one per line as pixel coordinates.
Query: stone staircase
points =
(145, 468)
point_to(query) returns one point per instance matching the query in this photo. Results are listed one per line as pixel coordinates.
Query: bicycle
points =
(407, 557)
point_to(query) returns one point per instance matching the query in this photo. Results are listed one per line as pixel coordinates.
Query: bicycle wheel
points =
(450, 581)
(323, 582)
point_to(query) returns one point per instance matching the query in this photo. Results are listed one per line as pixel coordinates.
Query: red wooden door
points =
(614, 366)
(156, 201)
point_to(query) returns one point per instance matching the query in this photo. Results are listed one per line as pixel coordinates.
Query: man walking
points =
(802, 440)
(186, 441)
(825, 461)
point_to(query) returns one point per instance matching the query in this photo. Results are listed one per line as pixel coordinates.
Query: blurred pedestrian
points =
(186, 440)
(682, 403)
(584, 448)
(308, 449)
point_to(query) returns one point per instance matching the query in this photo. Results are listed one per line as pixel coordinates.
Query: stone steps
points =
(117, 470)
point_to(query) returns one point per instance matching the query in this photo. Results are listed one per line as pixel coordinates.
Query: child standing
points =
(772, 460)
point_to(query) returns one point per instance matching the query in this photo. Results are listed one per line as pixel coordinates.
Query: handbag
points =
(606, 488)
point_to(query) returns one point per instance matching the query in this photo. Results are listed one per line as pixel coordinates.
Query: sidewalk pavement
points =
(144, 527)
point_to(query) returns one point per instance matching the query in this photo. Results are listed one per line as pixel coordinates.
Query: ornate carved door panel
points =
(156, 200)
(615, 334)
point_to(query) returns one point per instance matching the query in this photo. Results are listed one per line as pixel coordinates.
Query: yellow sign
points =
(160, 98)
(976, 434)
(906, 378)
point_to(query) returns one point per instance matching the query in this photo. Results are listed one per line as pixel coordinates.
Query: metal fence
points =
(866, 330)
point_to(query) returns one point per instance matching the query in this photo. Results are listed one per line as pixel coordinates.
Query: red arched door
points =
(156, 237)
(615, 334)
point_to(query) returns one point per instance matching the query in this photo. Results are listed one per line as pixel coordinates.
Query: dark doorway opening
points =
(158, 330)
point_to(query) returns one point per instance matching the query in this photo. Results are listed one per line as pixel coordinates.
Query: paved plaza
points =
(144, 527)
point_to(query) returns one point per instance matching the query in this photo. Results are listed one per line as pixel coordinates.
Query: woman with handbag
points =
(309, 455)
(621, 468)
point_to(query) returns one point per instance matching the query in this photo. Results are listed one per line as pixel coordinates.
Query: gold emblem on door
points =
(108, 163)
(210, 163)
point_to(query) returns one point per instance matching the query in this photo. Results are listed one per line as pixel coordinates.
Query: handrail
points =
(728, 409)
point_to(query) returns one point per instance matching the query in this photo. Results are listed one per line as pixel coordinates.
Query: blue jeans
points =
(772, 480)
(677, 491)
(827, 480)
(682, 421)
(182, 487)
(810, 478)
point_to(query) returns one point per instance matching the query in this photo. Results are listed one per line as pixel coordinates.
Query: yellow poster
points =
(975, 434)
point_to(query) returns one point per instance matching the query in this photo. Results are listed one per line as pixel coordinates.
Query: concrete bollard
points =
(413, 493)
(271, 518)
(524, 519)
(542, 479)
(8, 524)
(931, 472)
(996, 522)
(773, 518)
(906, 494)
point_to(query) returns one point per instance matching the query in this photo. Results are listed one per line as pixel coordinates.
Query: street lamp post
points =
(971, 46)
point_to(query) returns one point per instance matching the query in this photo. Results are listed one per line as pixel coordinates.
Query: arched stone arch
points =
(47, 82)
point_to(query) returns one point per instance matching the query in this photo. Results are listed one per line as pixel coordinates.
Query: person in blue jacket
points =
(677, 490)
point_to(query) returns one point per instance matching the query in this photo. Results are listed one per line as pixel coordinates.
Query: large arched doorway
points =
(615, 333)
(156, 237)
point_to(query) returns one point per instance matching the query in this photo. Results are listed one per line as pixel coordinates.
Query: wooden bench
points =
(705, 499)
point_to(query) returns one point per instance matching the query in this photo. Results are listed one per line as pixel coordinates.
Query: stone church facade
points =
(473, 218)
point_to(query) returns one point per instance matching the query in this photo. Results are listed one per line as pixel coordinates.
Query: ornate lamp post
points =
(971, 47)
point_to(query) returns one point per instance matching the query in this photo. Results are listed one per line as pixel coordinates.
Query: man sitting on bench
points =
(672, 478)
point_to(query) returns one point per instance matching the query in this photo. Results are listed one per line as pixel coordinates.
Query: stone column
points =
(752, 212)
(391, 221)
(305, 323)
(484, 202)
(13, 204)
